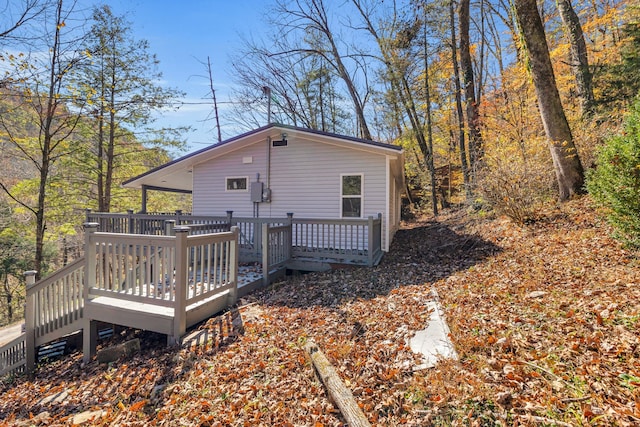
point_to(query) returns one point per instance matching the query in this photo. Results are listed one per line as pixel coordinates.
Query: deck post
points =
(370, 242)
(169, 227)
(230, 219)
(180, 303)
(265, 253)
(89, 327)
(131, 226)
(30, 322)
(233, 265)
(290, 239)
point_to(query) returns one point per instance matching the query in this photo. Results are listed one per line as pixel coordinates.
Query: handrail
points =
(54, 304)
(13, 356)
(343, 221)
(349, 240)
(133, 267)
(64, 271)
(161, 270)
(212, 264)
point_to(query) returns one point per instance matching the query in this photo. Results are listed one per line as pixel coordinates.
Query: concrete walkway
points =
(10, 332)
(433, 342)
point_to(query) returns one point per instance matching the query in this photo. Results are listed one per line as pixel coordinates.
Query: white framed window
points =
(351, 195)
(237, 183)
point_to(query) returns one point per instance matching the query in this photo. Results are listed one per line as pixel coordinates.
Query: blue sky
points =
(182, 34)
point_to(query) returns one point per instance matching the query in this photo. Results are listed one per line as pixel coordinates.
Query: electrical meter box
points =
(256, 191)
(266, 195)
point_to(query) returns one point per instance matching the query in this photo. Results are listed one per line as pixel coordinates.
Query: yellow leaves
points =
(61, 25)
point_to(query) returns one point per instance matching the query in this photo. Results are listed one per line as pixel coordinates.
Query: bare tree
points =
(458, 99)
(213, 98)
(566, 162)
(302, 89)
(579, 57)
(16, 16)
(310, 17)
(466, 66)
(396, 38)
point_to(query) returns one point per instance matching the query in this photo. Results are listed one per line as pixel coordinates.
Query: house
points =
(301, 199)
(278, 169)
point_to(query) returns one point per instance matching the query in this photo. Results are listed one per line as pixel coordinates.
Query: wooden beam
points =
(338, 392)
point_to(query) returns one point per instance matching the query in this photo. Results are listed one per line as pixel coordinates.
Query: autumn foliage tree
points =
(44, 87)
(566, 162)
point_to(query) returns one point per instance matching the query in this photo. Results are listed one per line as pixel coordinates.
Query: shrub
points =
(517, 178)
(615, 182)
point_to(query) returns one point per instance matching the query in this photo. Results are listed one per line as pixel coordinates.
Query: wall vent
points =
(279, 143)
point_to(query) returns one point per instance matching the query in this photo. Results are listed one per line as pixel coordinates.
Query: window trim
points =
(239, 190)
(361, 196)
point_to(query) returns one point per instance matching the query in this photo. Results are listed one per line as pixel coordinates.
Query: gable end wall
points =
(304, 179)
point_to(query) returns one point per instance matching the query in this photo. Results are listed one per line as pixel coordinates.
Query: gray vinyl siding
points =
(209, 181)
(305, 179)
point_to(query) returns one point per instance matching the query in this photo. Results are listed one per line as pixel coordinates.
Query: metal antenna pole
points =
(267, 92)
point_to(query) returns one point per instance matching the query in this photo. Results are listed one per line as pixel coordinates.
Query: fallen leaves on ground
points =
(544, 318)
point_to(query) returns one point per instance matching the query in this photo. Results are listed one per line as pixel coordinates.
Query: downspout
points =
(387, 209)
(268, 180)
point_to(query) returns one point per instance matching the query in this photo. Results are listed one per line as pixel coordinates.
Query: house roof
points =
(177, 174)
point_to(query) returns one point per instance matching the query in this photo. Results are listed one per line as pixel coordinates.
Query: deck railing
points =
(277, 250)
(170, 271)
(346, 240)
(168, 267)
(12, 356)
(55, 304)
(155, 223)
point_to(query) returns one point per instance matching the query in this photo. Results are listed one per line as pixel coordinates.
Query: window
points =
(351, 195)
(237, 183)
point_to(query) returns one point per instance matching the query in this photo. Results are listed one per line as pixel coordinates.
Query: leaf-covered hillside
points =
(544, 318)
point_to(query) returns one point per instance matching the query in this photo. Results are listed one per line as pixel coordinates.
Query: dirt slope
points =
(545, 320)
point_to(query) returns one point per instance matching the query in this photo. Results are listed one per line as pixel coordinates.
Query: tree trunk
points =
(100, 160)
(9, 298)
(338, 392)
(46, 144)
(566, 162)
(466, 65)
(402, 90)
(318, 14)
(579, 57)
(429, 125)
(458, 90)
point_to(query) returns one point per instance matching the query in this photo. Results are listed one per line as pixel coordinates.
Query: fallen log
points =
(338, 391)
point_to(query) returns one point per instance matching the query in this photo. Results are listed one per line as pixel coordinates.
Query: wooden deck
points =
(316, 244)
(13, 352)
(165, 273)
